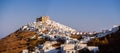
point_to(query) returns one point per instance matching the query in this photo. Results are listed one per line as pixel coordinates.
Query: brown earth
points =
(15, 42)
(108, 44)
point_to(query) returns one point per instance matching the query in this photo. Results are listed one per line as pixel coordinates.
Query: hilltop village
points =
(53, 37)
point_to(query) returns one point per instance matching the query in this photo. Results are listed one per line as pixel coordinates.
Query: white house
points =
(25, 27)
(48, 46)
(69, 48)
(93, 48)
(25, 51)
(81, 46)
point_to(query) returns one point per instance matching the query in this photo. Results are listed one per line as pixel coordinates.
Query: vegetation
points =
(98, 41)
(76, 36)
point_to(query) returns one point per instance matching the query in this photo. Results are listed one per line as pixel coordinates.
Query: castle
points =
(43, 19)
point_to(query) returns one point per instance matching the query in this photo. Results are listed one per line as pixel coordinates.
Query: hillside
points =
(27, 36)
(108, 44)
(15, 42)
(48, 36)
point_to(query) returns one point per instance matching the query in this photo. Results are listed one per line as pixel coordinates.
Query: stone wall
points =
(43, 19)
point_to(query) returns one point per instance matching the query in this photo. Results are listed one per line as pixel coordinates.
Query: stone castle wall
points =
(43, 19)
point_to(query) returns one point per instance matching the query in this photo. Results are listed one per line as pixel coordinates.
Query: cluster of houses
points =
(110, 31)
(54, 31)
(48, 47)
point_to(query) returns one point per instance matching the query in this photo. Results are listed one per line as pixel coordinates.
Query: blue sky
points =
(82, 15)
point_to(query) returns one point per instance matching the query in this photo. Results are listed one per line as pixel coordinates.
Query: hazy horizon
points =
(82, 15)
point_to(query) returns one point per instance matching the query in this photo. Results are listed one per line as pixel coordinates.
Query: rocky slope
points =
(108, 44)
(15, 42)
